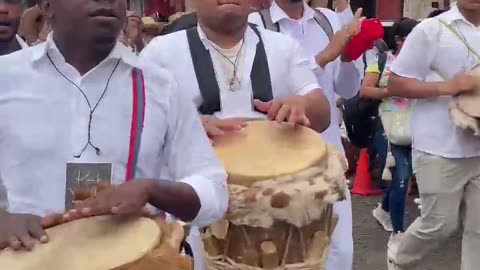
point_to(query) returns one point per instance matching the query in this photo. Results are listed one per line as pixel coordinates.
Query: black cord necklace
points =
(92, 110)
(234, 64)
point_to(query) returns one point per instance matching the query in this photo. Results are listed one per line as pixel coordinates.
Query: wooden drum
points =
(465, 111)
(104, 243)
(282, 183)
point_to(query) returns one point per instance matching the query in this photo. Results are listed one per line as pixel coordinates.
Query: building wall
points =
(389, 9)
(418, 9)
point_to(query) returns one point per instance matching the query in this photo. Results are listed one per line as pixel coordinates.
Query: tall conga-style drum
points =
(465, 110)
(104, 243)
(282, 183)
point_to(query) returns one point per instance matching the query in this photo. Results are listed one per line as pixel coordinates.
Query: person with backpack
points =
(324, 38)
(398, 161)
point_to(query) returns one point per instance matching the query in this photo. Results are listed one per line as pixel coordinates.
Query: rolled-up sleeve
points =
(417, 54)
(191, 160)
(346, 16)
(302, 79)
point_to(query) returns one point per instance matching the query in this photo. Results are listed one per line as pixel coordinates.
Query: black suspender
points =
(207, 81)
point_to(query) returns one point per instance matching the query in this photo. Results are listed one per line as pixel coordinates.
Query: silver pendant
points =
(234, 85)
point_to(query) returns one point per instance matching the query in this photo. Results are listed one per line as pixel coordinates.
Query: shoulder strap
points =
(365, 64)
(267, 20)
(460, 37)
(260, 73)
(138, 115)
(382, 61)
(324, 23)
(205, 73)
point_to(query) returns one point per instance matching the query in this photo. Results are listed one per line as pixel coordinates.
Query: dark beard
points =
(296, 1)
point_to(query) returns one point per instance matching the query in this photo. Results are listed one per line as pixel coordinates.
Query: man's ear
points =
(45, 6)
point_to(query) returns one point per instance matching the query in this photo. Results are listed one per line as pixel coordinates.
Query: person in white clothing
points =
(10, 15)
(239, 71)
(433, 68)
(74, 104)
(337, 75)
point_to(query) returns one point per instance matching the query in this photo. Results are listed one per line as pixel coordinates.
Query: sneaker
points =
(383, 218)
(418, 201)
(392, 249)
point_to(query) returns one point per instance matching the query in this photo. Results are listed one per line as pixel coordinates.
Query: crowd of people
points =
(82, 81)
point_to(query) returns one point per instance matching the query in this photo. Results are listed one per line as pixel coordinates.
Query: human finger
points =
(231, 124)
(36, 230)
(14, 242)
(282, 114)
(274, 109)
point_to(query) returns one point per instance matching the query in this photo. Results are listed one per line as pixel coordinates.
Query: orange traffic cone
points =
(363, 181)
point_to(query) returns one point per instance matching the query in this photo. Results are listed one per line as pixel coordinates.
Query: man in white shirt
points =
(337, 75)
(10, 15)
(447, 166)
(75, 102)
(239, 71)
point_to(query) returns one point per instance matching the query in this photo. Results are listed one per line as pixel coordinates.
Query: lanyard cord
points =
(234, 64)
(92, 110)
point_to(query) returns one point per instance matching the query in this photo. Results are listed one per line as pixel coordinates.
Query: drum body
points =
(104, 243)
(282, 183)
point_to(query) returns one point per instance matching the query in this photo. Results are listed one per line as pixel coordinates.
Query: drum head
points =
(470, 102)
(98, 243)
(265, 149)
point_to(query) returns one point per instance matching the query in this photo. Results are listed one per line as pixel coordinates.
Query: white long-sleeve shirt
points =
(45, 123)
(337, 77)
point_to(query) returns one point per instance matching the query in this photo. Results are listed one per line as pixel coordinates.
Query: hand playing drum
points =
(105, 243)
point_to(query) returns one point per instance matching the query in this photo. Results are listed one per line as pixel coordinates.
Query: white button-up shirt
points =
(337, 77)
(289, 69)
(432, 45)
(45, 123)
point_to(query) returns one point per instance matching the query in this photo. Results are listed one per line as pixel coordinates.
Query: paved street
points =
(371, 240)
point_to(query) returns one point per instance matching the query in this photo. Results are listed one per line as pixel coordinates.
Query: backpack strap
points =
(382, 61)
(138, 116)
(205, 73)
(324, 23)
(267, 20)
(364, 59)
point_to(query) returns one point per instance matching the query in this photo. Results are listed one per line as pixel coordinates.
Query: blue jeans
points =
(377, 150)
(394, 197)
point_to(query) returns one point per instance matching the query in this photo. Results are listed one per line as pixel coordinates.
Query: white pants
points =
(340, 256)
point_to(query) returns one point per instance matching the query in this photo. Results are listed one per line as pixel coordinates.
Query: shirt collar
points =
(250, 36)
(118, 52)
(21, 42)
(453, 15)
(279, 14)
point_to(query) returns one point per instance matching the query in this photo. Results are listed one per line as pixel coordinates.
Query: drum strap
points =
(208, 83)
(138, 115)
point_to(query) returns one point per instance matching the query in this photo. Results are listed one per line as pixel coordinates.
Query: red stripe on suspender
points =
(133, 130)
(144, 98)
